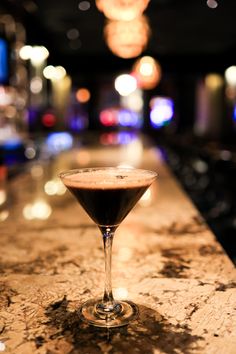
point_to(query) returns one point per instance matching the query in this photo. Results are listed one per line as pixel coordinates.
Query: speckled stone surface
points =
(165, 259)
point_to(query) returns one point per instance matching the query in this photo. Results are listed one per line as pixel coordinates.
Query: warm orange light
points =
(147, 72)
(127, 39)
(124, 10)
(82, 95)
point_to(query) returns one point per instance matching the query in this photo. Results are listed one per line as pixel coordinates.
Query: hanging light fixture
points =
(147, 71)
(212, 4)
(127, 39)
(123, 10)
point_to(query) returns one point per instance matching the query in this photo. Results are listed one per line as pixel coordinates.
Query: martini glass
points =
(108, 194)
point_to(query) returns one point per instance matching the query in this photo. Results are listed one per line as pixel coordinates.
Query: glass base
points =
(121, 313)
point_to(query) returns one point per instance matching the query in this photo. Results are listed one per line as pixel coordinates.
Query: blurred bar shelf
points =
(165, 259)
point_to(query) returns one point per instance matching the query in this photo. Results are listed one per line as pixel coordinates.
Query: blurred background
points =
(109, 72)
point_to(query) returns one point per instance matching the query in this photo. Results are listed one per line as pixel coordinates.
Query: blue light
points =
(12, 144)
(162, 111)
(60, 141)
(125, 138)
(3, 61)
(234, 113)
(32, 115)
(78, 122)
(128, 118)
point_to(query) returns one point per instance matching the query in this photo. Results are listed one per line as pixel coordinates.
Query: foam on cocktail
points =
(112, 178)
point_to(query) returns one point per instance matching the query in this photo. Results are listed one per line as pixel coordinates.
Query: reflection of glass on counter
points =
(38, 207)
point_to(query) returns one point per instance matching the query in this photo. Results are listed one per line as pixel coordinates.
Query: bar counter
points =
(165, 259)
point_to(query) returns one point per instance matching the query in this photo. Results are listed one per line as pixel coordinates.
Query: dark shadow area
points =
(207, 172)
(149, 332)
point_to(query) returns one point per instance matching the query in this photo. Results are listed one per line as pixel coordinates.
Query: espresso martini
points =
(108, 196)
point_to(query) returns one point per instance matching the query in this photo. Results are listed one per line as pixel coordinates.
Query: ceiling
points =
(186, 34)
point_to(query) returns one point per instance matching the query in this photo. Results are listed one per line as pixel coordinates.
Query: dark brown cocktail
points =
(108, 194)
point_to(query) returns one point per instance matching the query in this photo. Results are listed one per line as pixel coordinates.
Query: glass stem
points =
(108, 233)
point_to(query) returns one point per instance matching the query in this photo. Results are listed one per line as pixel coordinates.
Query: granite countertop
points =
(165, 259)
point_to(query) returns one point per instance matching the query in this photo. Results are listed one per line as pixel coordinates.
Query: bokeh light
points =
(214, 81)
(230, 75)
(162, 111)
(25, 52)
(125, 84)
(54, 187)
(59, 141)
(147, 72)
(37, 54)
(36, 85)
(83, 95)
(212, 4)
(49, 120)
(109, 117)
(39, 209)
(84, 5)
(127, 39)
(72, 33)
(128, 118)
(125, 10)
(54, 72)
